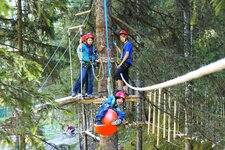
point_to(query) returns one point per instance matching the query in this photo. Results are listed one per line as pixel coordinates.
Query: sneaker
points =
(99, 123)
(73, 94)
(76, 95)
(90, 96)
(116, 122)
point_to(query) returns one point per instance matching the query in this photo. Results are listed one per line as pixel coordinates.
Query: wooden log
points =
(92, 135)
(69, 100)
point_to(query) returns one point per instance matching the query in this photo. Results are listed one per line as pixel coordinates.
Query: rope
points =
(61, 41)
(108, 49)
(205, 70)
(44, 82)
(97, 77)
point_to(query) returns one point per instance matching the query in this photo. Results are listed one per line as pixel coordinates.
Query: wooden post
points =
(149, 111)
(139, 116)
(169, 105)
(154, 104)
(164, 115)
(158, 121)
(84, 127)
(175, 117)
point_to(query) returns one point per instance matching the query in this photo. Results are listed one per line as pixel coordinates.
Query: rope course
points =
(60, 41)
(205, 70)
(44, 82)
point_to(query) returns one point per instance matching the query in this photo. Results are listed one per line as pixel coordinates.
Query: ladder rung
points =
(75, 27)
(82, 13)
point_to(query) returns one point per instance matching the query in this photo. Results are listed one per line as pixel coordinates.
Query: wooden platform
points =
(69, 100)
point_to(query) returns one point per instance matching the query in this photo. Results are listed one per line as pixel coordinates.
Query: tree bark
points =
(101, 40)
(84, 127)
(139, 116)
(188, 88)
(109, 142)
(19, 22)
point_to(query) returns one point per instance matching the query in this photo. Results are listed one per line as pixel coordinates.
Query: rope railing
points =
(205, 70)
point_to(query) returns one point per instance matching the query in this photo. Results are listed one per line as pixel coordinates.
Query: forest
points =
(39, 65)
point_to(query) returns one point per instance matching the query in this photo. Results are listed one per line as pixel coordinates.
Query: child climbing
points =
(88, 62)
(79, 54)
(126, 56)
(115, 103)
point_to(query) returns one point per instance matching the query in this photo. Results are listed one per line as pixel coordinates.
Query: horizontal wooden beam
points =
(72, 29)
(82, 13)
(91, 135)
(69, 100)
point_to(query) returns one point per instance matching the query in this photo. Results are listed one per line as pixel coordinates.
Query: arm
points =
(124, 59)
(125, 123)
(118, 49)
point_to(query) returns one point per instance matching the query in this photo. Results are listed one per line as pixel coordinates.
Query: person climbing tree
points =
(88, 62)
(115, 103)
(79, 54)
(126, 56)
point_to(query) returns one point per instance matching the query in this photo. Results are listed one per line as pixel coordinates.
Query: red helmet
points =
(83, 38)
(124, 32)
(89, 35)
(121, 94)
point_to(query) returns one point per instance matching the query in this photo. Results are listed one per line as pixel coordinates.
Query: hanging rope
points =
(100, 71)
(108, 49)
(45, 81)
(205, 70)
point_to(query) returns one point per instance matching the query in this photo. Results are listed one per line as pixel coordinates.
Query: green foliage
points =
(4, 8)
(219, 6)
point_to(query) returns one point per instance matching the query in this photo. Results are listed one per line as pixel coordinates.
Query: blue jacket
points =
(87, 55)
(109, 104)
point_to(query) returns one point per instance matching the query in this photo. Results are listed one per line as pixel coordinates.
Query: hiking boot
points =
(99, 123)
(116, 122)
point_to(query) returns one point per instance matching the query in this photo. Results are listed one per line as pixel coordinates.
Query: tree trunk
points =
(139, 116)
(188, 88)
(109, 142)
(19, 22)
(101, 40)
(84, 127)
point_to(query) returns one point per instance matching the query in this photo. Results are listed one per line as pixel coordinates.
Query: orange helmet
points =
(123, 32)
(121, 94)
(89, 35)
(83, 38)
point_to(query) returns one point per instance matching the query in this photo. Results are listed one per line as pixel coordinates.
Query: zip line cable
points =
(205, 70)
(44, 82)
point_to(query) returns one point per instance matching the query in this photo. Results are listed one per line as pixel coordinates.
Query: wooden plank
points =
(82, 13)
(69, 100)
(75, 27)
